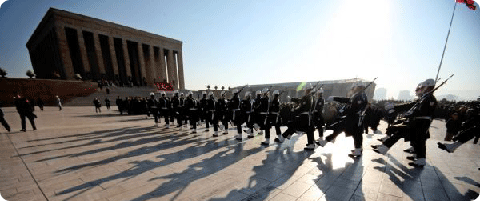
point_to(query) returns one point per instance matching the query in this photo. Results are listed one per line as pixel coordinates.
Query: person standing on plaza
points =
(40, 103)
(2, 119)
(59, 102)
(107, 103)
(25, 111)
(97, 104)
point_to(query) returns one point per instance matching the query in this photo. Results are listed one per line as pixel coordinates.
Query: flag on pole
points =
(300, 87)
(471, 4)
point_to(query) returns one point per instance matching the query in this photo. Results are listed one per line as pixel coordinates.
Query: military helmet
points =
(265, 90)
(428, 83)
(258, 92)
(204, 93)
(152, 94)
(163, 93)
(320, 91)
(247, 94)
(276, 92)
(211, 93)
(190, 93)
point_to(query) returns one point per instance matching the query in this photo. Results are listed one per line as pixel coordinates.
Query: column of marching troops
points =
(263, 112)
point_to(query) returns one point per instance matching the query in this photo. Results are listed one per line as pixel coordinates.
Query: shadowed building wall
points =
(65, 44)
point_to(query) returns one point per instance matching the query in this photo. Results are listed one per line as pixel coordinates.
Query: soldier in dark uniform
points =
(164, 107)
(352, 124)
(419, 115)
(243, 115)
(2, 119)
(234, 110)
(25, 111)
(254, 115)
(202, 108)
(40, 103)
(191, 107)
(272, 117)
(220, 114)
(317, 116)
(182, 110)
(210, 112)
(176, 110)
(302, 120)
(152, 105)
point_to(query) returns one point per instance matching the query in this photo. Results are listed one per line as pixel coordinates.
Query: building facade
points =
(65, 44)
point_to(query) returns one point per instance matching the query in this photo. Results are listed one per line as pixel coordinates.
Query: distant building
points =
(339, 88)
(404, 95)
(380, 94)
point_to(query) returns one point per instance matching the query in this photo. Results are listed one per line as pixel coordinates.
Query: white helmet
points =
(428, 83)
(204, 93)
(258, 92)
(235, 91)
(152, 94)
(175, 92)
(264, 90)
(163, 93)
(181, 94)
(358, 84)
(190, 93)
(276, 92)
(320, 91)
(247, 94)
(309, 86)
(211, 93)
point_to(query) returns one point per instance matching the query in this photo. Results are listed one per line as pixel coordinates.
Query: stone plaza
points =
(77, 154)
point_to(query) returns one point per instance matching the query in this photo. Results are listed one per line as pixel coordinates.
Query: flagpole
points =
(446, 41)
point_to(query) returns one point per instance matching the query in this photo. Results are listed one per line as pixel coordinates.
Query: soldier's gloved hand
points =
(391, 111)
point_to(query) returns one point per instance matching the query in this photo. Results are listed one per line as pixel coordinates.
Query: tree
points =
(30, 73)
(3, 72)
(215, 87)
(223, 88)
(208, 87)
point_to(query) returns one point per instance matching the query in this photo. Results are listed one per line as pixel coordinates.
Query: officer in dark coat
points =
(107, 103)
(254, 115)
(119, 103)
(234, 110)
(2, 119)
(220, 115)
(25, 111)
(352, 123)
(419, 117)
(202, 108)
(97, 104)
(165, 108)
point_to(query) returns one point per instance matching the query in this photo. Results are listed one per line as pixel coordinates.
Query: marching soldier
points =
(164, 106)
(2, 119)
(25, 111)
(221, 114)
(182, 110)
(254, 115)
(317, 116)
(191, 107)
(153, 108)
(235, 114)
(302, 120)
(202, 109)
(272, 117)
(419, 115)
(354, 113)
(176, 109)
(210, 113)
(244, 116)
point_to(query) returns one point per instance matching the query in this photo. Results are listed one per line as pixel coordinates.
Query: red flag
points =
(471, 4)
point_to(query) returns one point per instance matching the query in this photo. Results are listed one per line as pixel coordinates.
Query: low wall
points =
(43, 88)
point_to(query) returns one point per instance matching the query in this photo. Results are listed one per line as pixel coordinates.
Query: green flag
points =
(300, 87)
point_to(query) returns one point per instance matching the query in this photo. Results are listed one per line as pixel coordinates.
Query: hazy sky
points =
(233, 43)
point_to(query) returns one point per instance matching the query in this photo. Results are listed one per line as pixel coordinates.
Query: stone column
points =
(141, 62)
(64, 51)
(170, 69)
(163, 66)
(113, 56)
(152, 66)
(126, 57)
(175, 70)
(98, 51)
(83, 53)
(181, 79)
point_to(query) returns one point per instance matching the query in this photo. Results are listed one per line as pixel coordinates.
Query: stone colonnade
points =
(65, 44)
